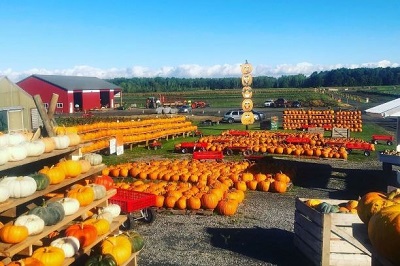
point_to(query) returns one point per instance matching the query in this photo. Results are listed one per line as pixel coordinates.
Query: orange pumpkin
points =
(13, 234)
(85, 233)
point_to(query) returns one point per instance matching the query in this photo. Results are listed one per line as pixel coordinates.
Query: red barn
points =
(74, 93)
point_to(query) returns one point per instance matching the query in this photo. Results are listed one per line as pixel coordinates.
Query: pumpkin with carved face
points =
(247, 105)
(246, 68)
(247, 79)
(247, 118)
(247, 92)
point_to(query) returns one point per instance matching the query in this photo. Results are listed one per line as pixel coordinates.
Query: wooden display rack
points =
(331, 239)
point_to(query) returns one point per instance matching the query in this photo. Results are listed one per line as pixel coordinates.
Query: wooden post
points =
(52, 108)
(43, 115)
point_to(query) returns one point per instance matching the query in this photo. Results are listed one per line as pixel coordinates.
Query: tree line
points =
(342, 77)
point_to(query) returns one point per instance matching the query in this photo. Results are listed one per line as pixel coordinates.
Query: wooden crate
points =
(331, 239)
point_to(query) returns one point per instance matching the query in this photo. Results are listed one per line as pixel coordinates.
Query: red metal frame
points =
(382, 137)
(208, 155)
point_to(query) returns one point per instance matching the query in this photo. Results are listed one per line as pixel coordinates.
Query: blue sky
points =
(188, 38)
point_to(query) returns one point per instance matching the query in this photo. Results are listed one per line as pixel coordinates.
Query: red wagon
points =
(365, 146)
(186, 147)
(387, 138)
(133, 201)
(208, 155)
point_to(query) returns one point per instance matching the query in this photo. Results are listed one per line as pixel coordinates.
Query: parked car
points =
(281, 102)
(296, 104)
(269, 103)
(233, 116)
(184, 109)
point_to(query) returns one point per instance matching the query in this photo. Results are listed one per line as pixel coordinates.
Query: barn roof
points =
(391, 108)
(71, 83)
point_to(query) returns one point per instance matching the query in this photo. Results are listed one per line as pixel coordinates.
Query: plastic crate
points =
(130, 200)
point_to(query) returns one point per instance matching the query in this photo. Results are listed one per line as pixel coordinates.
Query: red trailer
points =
(366, 147)
(208, 155)
(388, 138)
(186, 147)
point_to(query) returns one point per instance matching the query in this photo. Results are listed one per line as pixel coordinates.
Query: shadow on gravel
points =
(341, 183)
(272, 246)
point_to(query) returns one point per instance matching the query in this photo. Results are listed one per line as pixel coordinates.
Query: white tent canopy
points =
(389, 109)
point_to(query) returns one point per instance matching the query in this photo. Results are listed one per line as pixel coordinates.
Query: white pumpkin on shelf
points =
(93, 158)
(4, 156)
(34, 148)
(4, 140)
(19, 186)
(70, 205)
(34, 223)
(17, 153)
(69, 244)
(113, 208)
(4, 194)
(61, 141)
(15, 139)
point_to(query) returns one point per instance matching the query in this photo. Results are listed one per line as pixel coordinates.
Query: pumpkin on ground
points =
(53, 256)
(227, 207)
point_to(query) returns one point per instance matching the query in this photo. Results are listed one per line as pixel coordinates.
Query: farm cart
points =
(133, 202)
(238, 149)
(154, 145)
(186, 147)
(387, 138)
(366, 147)
(208, 155)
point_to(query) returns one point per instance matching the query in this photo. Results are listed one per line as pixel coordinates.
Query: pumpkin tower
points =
(247, 92)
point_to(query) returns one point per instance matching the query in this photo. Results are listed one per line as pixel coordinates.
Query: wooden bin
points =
(331, 239)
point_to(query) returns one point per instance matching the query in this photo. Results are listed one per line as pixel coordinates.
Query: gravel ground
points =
(261, 233)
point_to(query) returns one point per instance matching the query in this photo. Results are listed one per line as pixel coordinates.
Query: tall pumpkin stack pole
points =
(247, 93)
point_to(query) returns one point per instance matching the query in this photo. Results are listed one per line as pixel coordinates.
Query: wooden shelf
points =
(12, 202)
(33, 159)
(9, 250)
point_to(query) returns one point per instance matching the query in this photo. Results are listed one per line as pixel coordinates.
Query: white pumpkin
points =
(4, 140)
(4, 194)
(99, 191)
(4, 156)
(71, 205)
(16, 139)
(61, 141)
(35, 148)
(105, 215)
(93, 158)
(19, 186)
(114, 209)
(34, 223)
(69, 244)
(17, 153)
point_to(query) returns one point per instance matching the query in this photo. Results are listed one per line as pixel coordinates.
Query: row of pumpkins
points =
(18, 146)
(78, 235)
(24, 186)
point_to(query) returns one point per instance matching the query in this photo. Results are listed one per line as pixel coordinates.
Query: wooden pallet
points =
(207, 212)
(333, 238)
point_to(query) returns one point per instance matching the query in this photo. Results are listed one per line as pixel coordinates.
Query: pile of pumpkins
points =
(23, 186)
(78, 235)
(322, 206)
(381, 213)
(18, 146)
(193, 185)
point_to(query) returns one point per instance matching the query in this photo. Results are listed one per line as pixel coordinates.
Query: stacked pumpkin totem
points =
(381, 213)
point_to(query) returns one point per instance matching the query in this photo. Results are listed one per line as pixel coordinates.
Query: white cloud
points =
(190, 71)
